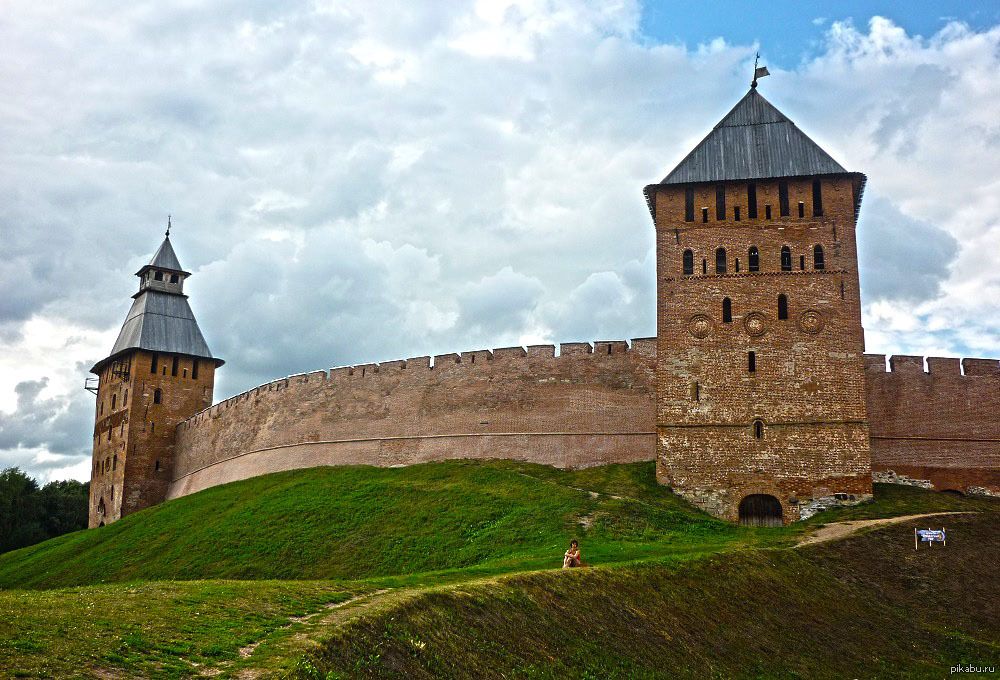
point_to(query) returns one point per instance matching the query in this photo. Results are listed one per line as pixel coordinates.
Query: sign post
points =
(929, 536)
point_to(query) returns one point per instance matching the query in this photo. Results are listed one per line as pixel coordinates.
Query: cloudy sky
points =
(363, 183)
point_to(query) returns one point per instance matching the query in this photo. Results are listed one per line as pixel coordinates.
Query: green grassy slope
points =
(159, 630)
(458, 518)
(868, 607)
(358, 522)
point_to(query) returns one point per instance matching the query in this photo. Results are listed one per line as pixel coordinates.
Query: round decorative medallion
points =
(811, 321)
(755, 324)
(700, 326)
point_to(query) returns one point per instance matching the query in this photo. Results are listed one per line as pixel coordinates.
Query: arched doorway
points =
(760, 510)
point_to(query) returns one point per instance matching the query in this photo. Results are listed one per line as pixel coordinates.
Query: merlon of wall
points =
(907, 364)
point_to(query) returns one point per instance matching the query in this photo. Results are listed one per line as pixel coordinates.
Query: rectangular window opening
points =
(751, 201)
(783, 198)
(173, 368)
(194, 370)
(153, 366)
(767, 212)
(752, 362)
(802, 209)
(689, 205)
(802, 262)
(736, 213)
(720, 203)
(704, 214)
(817, 198)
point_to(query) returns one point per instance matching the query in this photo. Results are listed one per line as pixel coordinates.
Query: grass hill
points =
(424, 556)
(869, 607)
(475, 518)
(360, 522)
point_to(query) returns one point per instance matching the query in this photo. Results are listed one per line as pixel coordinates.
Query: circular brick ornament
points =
(811, 321)
(755, 324)
(700, 326)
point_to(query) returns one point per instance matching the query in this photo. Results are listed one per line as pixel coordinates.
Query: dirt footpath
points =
(835, 530)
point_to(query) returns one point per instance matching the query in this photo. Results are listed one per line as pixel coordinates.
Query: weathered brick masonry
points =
(134, 436)
(806, 389)
(591, 405)
(939, 429)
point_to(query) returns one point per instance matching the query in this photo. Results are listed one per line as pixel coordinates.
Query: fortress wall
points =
(937, 428)
(591, 405)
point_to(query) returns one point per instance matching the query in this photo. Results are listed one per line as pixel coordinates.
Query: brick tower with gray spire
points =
(760, 369)
(159, 373)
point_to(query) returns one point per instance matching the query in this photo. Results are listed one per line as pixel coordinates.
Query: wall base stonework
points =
(815, 505)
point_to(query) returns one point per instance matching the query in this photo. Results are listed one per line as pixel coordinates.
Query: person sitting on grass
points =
(571, 558)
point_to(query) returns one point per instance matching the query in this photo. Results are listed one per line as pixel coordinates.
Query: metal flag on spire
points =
(168, 226)
(758, 72)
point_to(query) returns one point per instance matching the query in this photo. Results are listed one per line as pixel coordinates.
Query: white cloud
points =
(357, 182)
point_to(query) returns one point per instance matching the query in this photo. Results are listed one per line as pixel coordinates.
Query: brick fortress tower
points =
(760, 369)
(159, 373)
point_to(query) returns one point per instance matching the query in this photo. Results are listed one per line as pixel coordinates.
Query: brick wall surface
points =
(591, 405)
(134, 441)
(938, 428)
(808, 388)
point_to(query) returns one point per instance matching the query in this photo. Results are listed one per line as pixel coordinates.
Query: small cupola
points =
(164, 272)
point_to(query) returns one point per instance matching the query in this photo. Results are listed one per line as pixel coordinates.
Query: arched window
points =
(156, 394)
(758, 429)
(114, 401)
(114, 463)
(157, 466)
(688, 262)
(817, 256)
(753, 259)
(786, 259)
(112, 495)
(720, 260)
(100, 506)
(158, 276)
(727, 310)
(782, 306)
(125, 399)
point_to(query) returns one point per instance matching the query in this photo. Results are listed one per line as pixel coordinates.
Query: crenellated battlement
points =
(597, 350)
(572, 405)
(933, 421)
(903, 364)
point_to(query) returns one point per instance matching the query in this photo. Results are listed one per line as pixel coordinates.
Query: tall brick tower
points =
(760, 369)
(159, 373)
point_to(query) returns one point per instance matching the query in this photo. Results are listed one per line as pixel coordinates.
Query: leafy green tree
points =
(29, 514)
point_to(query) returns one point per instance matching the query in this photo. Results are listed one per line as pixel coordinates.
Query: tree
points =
(29, 514)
